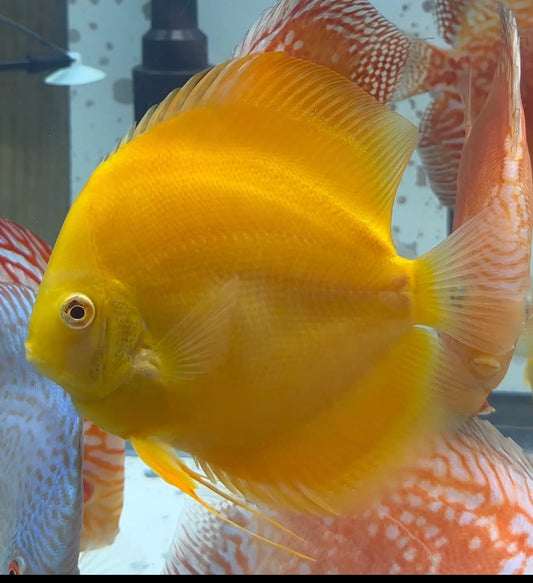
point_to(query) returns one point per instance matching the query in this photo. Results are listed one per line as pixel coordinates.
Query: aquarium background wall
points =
(34, 123)
(52, 138)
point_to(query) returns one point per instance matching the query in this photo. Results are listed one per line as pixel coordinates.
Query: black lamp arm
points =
(35, 63)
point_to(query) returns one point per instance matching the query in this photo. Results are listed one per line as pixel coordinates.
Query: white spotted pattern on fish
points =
(366, 51)
(466, 508)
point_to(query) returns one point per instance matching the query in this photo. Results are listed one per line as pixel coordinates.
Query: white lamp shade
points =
(75, 74)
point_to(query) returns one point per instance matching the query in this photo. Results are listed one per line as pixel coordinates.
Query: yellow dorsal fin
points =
(381, 140)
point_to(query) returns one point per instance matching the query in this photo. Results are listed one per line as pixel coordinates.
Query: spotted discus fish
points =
(41, 444)
(466, 508)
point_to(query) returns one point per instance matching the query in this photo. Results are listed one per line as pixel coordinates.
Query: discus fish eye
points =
(77, 311)
(16, 566)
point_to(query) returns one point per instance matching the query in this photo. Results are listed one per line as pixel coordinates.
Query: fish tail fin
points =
(162, 459)
(467, 288)
(352, 38)
(480, 274)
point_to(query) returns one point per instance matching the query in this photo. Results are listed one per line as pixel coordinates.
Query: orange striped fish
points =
(23, 257)
(466, 508)
(103, 483)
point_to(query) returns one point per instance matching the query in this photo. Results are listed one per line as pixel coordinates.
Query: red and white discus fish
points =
(495, 172)
(466, 70)
(466, 508)
(103, 482)
(349, 36)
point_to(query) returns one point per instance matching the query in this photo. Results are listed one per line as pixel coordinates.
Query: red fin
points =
(442, 134)
(526, 84)
(350, 37)
(23, 255)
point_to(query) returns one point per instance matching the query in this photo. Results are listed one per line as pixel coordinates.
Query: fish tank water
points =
(47, 155)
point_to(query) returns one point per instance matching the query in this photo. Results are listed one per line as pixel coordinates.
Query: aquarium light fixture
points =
(71, 71)
(76, 73)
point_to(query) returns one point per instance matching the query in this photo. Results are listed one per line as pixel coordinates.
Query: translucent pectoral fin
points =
(164, 461)
(200, 339)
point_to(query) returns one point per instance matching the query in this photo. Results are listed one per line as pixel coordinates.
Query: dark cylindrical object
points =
(173, 50)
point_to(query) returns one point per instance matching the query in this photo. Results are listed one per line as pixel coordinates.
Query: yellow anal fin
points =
(163, 460)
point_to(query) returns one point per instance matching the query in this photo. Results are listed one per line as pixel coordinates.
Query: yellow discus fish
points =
(226, 285)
